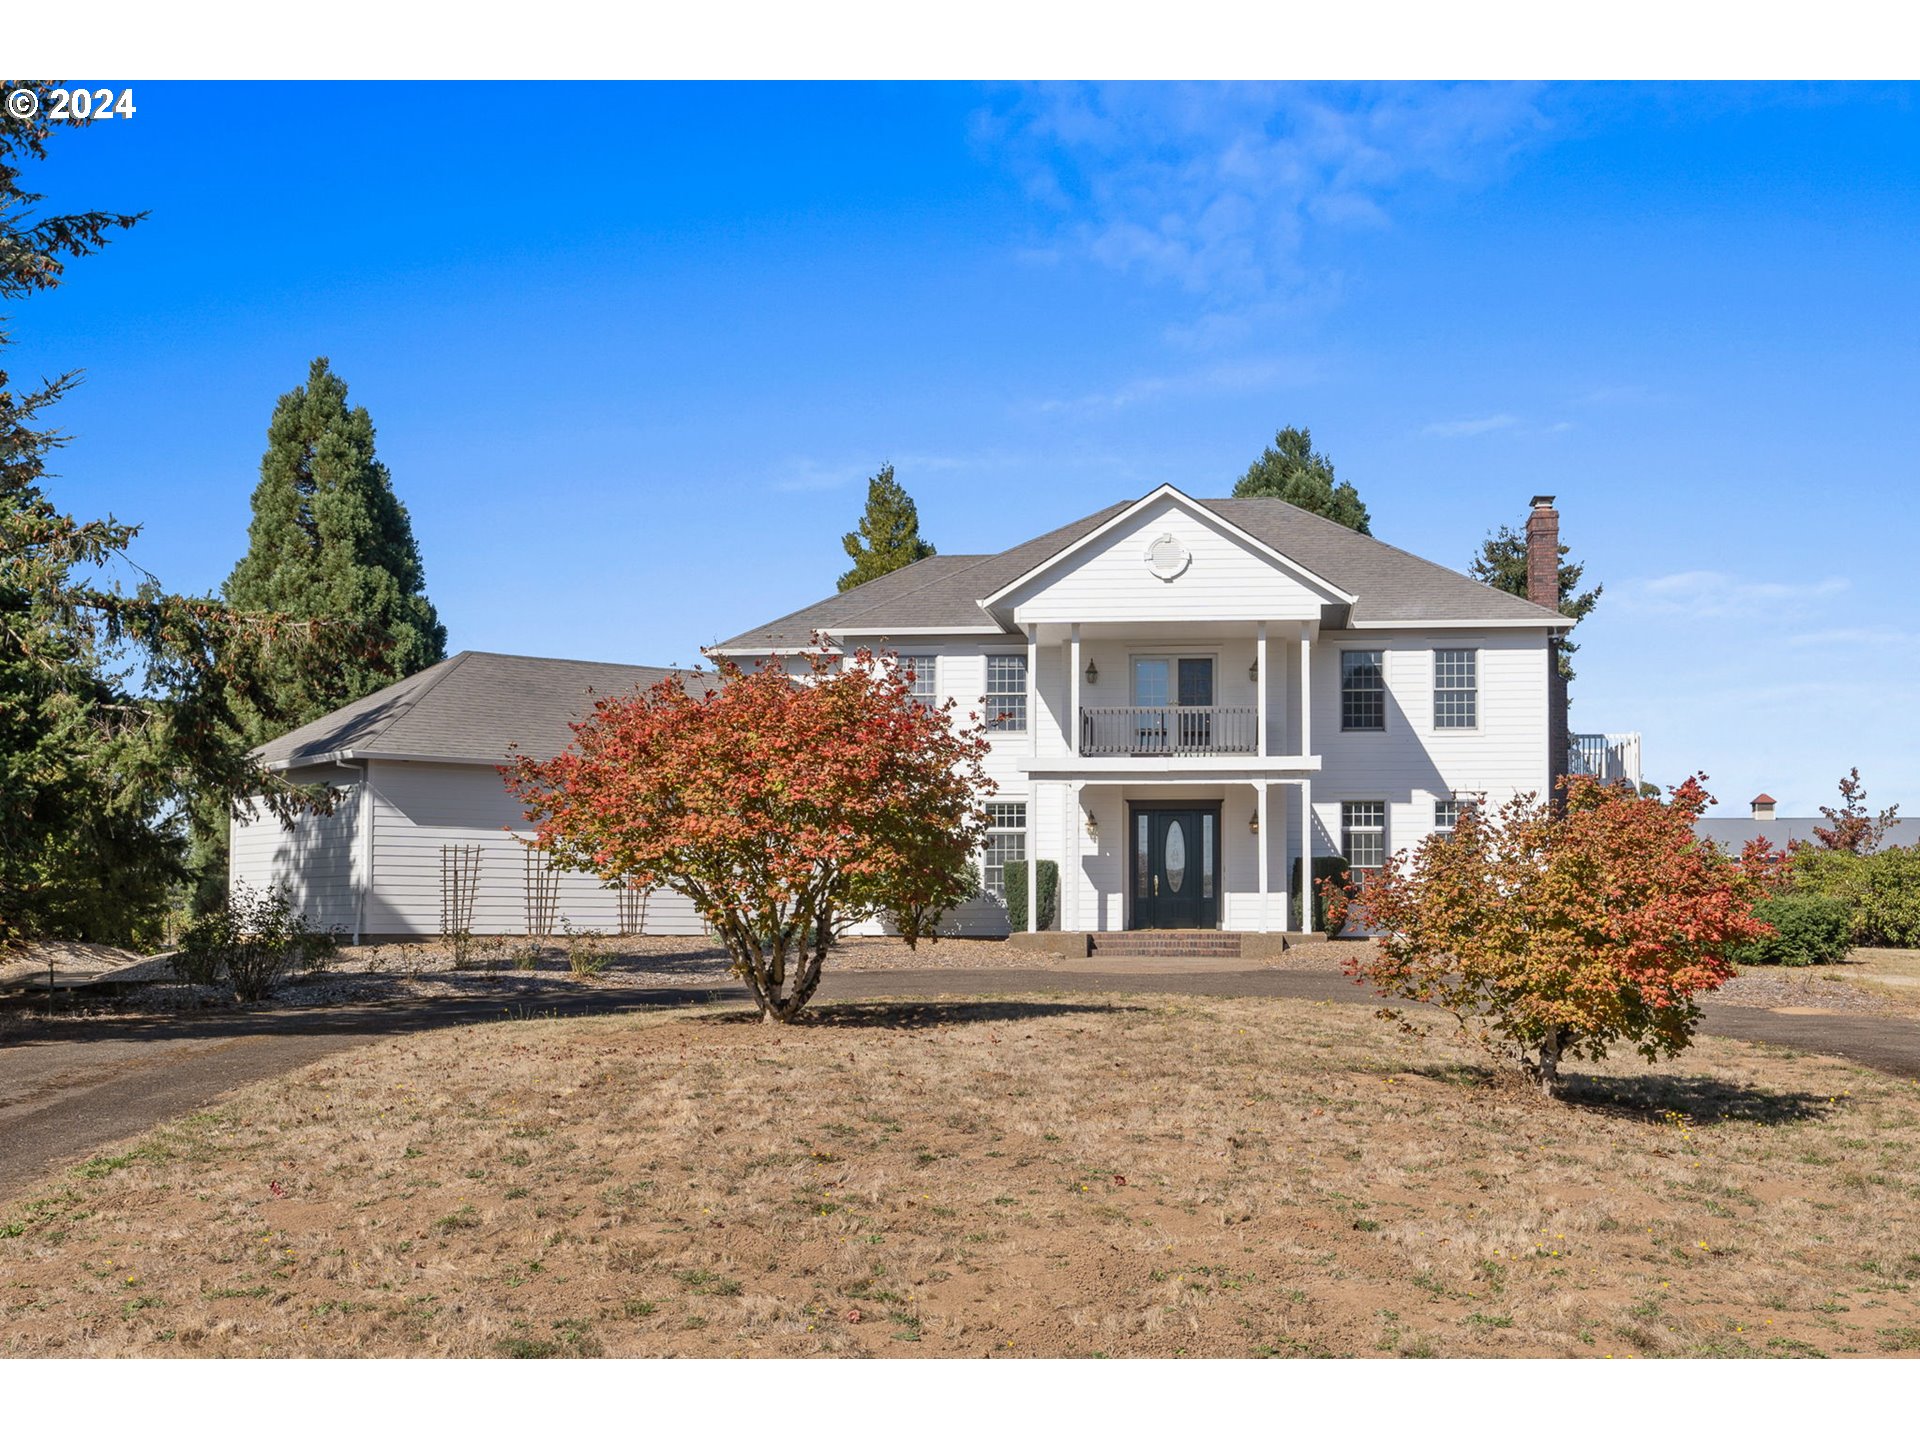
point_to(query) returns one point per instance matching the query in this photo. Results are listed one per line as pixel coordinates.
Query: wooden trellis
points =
(459, 883)
(633, 911)
(543, 893)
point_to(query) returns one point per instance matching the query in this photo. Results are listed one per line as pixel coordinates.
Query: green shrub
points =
(1325, 867)
(252, 939)
(1015, 883)
(1888, 908)
(1882, 890)
(1808, 930)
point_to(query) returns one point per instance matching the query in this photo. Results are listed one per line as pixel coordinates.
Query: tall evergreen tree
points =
(114, 704)
(1291, 470)
(1502, 563)
(330, 540)
(889, 533)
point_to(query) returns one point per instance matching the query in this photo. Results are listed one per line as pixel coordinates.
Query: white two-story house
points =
(1186, 696)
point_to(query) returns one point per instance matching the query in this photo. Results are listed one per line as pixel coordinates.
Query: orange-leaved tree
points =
(785, 807)
(1560, 932)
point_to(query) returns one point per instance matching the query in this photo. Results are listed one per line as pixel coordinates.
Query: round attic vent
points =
(1167, 557)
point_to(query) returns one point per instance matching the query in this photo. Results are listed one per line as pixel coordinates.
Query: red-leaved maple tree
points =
(1562, 932)
(785, 807)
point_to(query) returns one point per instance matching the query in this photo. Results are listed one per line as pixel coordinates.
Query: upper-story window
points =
(1005, 702)
(1166, 680)
(1363, 690)
(1456, 689)
(922, 672)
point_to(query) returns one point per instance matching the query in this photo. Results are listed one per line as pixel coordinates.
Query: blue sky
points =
(633, 350)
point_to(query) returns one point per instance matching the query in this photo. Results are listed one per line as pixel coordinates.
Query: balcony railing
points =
(1606, 757)
(1170, 730)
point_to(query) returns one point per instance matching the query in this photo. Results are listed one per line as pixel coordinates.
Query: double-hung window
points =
(1006, 844)
(921, 670)
(1005, 702)
(1446, 815)
(1363, 835)
(1363, 690)
(1456, 689)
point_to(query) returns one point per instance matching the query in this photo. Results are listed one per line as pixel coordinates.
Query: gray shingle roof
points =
(945, 591)
(471, 706)
(1732, 833)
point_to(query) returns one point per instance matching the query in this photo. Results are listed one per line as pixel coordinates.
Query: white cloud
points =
(1218, 187)
(1227, 378)
(1456, 429)
(1716, 594)
(1879, 637)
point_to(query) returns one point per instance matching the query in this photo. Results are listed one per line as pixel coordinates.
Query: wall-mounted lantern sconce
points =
(1253, 822)
(1253, 672)
(1093, 827)
(1093, 673)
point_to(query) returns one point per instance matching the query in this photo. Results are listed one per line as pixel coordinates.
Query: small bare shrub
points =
(585, 958)
(253, 940)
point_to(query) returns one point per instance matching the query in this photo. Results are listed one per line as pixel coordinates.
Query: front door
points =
(1176, 868)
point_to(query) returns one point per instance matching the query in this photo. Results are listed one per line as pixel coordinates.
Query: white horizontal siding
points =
(418, 809)
(1410, 764)
(314, 859)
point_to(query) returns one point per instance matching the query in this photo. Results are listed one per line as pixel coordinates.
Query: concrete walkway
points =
(82, 1088)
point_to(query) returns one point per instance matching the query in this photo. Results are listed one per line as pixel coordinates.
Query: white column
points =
(1261, 791)
(1306, 692)
(1073, 691)
(1033, 690)
(1033, 786)
(1306, 854)
(1071, 919)
(1260, 700)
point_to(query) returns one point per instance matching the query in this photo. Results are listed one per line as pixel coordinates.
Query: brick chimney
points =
(1543, 588)
(1763, 804)
(1543, 553)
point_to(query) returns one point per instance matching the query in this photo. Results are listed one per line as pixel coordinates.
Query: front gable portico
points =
(1166, 558)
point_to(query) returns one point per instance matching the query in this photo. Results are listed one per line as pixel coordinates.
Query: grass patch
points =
(1051, 1175)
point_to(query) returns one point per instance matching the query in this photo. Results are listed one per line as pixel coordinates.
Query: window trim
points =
(931, 677)
(987, 697)
(986, 849)
(1385, 690)
(1348, 830)
(1473, 651)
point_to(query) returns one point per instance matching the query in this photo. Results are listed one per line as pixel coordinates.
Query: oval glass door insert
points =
(1176, 856)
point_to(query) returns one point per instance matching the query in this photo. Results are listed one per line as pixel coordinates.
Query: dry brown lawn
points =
(1045, 1176)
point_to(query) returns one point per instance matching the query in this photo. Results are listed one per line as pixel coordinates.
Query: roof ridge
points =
(452, 662)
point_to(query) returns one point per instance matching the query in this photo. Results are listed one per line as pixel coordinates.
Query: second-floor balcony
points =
(1170, 730)
(1612, 758)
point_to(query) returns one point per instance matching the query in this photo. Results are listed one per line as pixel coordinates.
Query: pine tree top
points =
(889, 533)
(330, 539)
(1291, 470)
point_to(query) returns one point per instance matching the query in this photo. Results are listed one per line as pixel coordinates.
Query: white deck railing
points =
(1169, 730)
(1606, 757)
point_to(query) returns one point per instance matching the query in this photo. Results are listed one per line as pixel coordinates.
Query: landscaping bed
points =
(1045, 1176)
